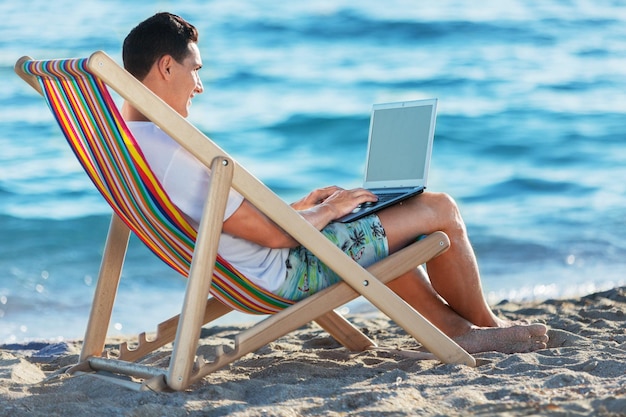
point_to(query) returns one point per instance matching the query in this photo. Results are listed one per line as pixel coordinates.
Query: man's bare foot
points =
(512, 339)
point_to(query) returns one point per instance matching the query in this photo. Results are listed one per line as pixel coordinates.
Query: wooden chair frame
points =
(198, 308)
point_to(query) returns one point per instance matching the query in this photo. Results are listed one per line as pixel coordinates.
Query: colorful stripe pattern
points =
(105, 147)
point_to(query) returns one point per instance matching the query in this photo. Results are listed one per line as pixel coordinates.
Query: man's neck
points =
(131, 114)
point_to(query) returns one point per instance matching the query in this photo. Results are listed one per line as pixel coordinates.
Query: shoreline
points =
(73, 322)
(582, 372)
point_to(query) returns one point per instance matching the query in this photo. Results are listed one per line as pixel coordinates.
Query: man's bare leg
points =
(454, 274)
(451, 295)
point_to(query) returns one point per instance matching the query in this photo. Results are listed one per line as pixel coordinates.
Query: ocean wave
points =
(333, 129)
(352, 25)
(16, 225)
(54, 206)
(514, 249)
(527, 187)
(247, 77)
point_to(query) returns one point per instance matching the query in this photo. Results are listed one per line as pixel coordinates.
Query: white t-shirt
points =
(186, 182)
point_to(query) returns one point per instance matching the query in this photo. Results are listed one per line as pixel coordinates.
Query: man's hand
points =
(334, 200)
(315, 197)
(343, 202)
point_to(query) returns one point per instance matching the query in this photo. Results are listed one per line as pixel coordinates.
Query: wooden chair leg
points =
(201, 275)
(106, 288)
(344, 332)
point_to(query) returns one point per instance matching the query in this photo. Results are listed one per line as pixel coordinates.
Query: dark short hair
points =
(159, 35)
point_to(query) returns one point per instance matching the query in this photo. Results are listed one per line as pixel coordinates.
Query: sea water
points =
(530, 135)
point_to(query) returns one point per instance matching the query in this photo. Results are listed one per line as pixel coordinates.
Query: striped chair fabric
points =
(105, 147)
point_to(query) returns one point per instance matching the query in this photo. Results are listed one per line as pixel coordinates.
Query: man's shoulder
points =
(149, 132)
(143, 127)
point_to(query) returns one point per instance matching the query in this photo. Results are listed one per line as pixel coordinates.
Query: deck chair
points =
(77, 92)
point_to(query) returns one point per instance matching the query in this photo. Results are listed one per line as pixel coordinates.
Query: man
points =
(162, 52)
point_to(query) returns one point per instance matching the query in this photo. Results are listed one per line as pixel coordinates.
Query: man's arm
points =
(319, 208)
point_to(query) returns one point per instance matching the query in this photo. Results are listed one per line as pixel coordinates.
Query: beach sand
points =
(582, 372)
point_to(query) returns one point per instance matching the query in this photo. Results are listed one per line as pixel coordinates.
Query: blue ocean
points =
(530, 137)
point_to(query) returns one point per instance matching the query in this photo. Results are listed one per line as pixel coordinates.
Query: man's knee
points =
(447, 210)
(441, 202)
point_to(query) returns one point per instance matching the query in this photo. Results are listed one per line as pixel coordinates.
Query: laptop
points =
(398, 153)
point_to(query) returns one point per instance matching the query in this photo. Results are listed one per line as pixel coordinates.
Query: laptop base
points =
(370, 208)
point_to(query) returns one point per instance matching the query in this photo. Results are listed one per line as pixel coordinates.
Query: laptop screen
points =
(400, 144)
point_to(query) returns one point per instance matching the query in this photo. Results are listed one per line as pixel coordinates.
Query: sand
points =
(582, 372)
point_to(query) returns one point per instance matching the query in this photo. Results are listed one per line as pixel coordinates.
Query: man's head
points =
(162, 52)
(162, 34)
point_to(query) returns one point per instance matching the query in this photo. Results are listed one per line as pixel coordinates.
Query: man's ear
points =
(164, 65)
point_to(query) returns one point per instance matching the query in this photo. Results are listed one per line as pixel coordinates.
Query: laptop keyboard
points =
(381, 199)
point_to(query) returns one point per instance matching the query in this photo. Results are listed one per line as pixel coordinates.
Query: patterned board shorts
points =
(363, 240)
